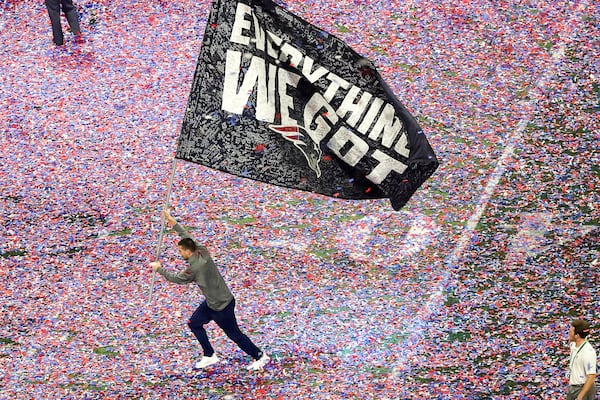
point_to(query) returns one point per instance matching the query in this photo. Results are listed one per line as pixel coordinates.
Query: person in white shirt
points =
(582, 363)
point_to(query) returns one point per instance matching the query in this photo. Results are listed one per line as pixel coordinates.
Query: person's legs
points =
(228, 323)
(71, 13)
(591, 395)
(53, 7)
(573, 391)
(199, 318)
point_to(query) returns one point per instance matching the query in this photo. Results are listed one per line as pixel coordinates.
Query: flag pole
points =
(162, 228)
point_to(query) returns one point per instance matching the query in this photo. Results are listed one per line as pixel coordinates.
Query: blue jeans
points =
(226, 320)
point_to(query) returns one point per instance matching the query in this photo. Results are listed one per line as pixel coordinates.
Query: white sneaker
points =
(259, 364)
(206, 361)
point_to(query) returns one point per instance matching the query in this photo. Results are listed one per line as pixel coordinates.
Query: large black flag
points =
(279, 100)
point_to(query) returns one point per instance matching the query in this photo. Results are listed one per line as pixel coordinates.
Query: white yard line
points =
(415, 328)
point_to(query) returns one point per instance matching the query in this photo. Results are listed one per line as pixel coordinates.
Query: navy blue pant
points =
(225, 319)
(54, 7)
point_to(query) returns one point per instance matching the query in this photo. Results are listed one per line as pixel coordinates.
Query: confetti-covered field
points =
(466, 293)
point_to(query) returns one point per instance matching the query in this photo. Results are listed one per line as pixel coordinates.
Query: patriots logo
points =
(303, 142)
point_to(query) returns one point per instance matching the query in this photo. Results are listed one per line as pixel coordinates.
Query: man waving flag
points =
(278, 100)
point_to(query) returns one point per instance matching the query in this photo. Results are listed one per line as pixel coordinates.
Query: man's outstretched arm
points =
(181, 277)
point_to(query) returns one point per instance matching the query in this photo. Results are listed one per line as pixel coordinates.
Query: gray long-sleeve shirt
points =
(203, 271)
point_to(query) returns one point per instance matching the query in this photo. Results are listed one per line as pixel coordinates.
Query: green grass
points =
(4, 340)
(395, 339)
(423, 380)
(442, 194)
(122, 232)
(342, 28)
(106, 351)
(380, 371)
(86, 386)
(408, 67)
(380, 50)
(592, 222)
(324, 253)
(451, 299)
(547, 45)
(285, 228)
(351, 217)
(13, 253)
(283, 314)
(459, 336)
(240, 221)
(596, 89)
